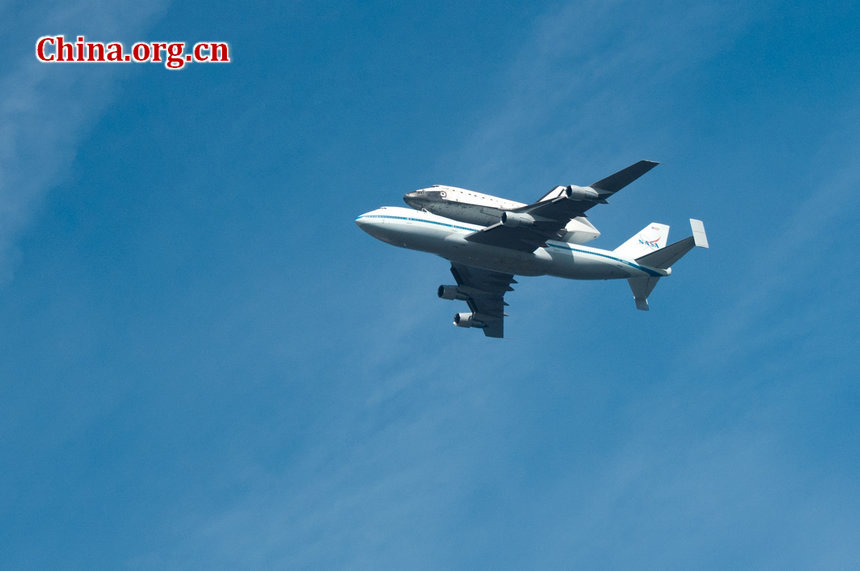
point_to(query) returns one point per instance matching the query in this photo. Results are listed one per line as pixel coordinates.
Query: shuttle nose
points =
(413, 199)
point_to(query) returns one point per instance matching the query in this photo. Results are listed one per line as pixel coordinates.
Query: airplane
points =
(527, 240)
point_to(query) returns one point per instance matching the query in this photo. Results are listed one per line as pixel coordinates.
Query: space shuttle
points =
(485, 209)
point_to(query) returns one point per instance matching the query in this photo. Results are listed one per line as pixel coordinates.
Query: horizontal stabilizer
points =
(665, 257)
(617, 181)
(699, 235)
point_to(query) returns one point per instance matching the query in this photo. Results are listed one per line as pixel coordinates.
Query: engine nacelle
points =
(468, 320)
(451, 292)
(516, 219)
(581, 193)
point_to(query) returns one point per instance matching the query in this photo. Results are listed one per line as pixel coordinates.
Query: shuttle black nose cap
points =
(412, 199)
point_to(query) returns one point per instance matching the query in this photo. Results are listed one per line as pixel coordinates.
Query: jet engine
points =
(581, 193)
(450, 292)
(468, 320)
(516, 219)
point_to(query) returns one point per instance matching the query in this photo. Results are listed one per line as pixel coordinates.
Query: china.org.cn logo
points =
(56, 49)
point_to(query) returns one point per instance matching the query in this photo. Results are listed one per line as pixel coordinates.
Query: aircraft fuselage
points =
(427, 232)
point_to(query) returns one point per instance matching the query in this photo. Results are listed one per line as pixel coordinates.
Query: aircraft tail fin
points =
(642, 288)
(649, 239)
(663, 259)
(556, 192)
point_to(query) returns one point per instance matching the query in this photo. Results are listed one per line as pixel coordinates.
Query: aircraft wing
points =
(529, 227)
(486, 291)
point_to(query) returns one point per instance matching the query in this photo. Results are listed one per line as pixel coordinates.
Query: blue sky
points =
(206, 364)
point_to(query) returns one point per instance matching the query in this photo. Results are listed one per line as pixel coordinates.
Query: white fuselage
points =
(484, 209)
(445, 237)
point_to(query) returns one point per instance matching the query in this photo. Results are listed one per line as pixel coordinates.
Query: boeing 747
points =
(530, 240)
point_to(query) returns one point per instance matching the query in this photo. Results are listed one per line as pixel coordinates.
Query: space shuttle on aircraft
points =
(485, 209)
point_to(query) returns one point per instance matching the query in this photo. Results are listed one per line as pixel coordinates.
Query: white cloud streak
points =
(575, 92)
(786, 263)
(47, 109)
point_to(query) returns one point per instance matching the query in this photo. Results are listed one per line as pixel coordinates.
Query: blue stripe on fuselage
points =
(602, 255)
(473, 229)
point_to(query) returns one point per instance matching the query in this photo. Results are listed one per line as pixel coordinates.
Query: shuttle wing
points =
(485, 291)
(529, 227)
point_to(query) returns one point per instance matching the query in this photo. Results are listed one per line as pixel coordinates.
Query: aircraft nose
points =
(373, 224)
(368, 222)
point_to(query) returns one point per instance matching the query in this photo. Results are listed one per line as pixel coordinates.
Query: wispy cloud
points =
(46, 109)
(744, 440)
(585, 77)
(787, 265)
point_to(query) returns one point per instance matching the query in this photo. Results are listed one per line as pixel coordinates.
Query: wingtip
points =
(615, 182)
